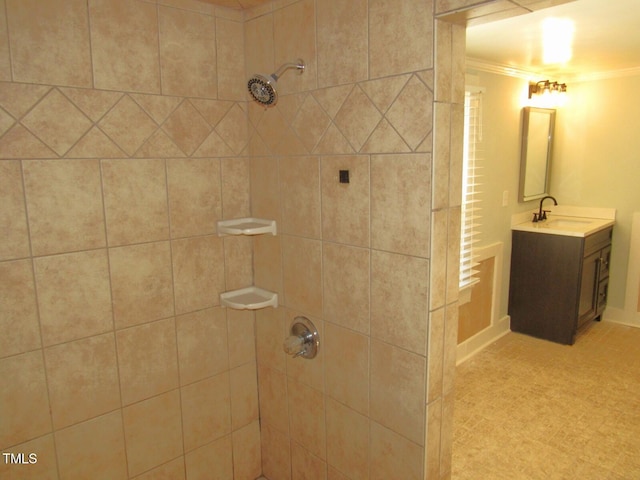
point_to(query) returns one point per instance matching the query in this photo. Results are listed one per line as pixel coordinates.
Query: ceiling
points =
(606, 40)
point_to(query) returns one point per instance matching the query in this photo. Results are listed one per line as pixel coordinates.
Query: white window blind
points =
(472, 159)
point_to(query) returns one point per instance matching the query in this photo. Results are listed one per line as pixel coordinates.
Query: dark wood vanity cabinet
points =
(558, 283)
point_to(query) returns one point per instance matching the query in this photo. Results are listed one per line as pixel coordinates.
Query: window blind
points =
(472, 159)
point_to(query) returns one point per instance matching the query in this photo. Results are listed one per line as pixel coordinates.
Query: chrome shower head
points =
(263, 87)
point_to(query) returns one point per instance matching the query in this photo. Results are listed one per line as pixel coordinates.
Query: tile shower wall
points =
(122, 140)
(373, 263)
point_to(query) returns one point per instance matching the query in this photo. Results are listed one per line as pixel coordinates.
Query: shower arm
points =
(298, 64)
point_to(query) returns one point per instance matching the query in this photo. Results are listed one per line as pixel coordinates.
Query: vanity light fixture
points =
(546, 87)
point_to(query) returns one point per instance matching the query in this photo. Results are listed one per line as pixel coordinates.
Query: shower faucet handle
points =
(303, 340)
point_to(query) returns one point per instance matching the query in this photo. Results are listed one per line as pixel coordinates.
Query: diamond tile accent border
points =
(41, 122)
(388, 115)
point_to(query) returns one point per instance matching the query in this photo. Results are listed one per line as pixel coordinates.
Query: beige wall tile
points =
(236, 193)
(346, 296)
(276, 453)
(45, 469)
(272, 386)
(83, 379)
(435, 354)
(233, 129)
(241, 336)
(202, 344)
(310, 123)
(444, 61)
(300, 196)
(153, 432)
(347, 367)
(13, 216)
(306, 465)
(267, 263)
(65, 205)
(399, 295)
(433, 440)
(238, 255)
(264, 182)
(187, 53)
(270, 334)
(93, 449)
(259, 52)
(453, 255)
(147, 360)
(57, 122)
(60, 30)
(124, 45)
(294, 36)
(24, 399)
(135, 201)
(213, 460)
(195, 197)
(141, 283)
(174, 470)
(412, 112)
(244, 395)
(307, 417)
(393, 456)
(390, 24)
(117, 125)
(439, 256)
(247, 460)
(73, 295)
(345, 206)
(198, 272)
(357, 118)
(347, 440)
(230, 54)
(18, 309)
(302, 274)
(342, 27)
(334, 474)
(441, 155)
(187, 127)
(400, 203)
(5, 60)
(397, 390)
(206, 411)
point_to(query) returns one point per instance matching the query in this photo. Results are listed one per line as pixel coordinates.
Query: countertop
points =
(566, 220)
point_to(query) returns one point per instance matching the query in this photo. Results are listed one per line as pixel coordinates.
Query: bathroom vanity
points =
(559, 274)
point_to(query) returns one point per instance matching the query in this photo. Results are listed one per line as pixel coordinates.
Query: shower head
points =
(263, 87)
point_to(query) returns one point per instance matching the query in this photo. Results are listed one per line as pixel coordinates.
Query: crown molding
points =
(510, 71)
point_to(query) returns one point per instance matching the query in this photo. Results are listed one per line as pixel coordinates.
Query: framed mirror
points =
(535, 157)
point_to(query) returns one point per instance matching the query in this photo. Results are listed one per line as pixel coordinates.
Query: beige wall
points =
(123, 140)
(367, 262)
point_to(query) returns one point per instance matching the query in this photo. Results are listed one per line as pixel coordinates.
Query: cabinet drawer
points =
(597, 241)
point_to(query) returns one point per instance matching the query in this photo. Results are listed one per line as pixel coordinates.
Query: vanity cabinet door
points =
(588, 288)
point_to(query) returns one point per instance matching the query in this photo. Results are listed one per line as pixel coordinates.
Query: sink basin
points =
(567, 223)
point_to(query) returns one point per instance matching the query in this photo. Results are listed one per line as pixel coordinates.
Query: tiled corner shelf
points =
(249, 298)
(246, 226)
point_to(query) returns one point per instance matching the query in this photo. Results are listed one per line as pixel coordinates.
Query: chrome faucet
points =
(542, 214)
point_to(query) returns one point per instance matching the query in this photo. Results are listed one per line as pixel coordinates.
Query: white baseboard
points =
(624, 317)
(473, 345)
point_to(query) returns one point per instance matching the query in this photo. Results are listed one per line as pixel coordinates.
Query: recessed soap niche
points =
(251, 297)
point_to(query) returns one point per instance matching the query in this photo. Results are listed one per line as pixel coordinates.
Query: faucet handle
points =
(544, 214)
(535, 217)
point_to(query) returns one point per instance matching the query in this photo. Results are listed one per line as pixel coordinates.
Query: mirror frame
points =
(527, 139)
